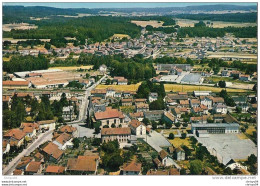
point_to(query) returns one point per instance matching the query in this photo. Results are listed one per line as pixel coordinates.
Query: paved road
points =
(85, 103)
(41, 139)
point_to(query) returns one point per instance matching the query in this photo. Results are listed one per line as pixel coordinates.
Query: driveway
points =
(157, 140)
(42, 138)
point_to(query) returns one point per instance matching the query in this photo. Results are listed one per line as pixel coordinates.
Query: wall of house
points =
(51, 126)
(167, 161)
(119, 138)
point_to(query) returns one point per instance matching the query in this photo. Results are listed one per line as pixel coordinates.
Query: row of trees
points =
(167, 30)
(13, 116)
(215, 64)
(147, 87)
(174, 60)
(136, 68)
(203, 31)
(233, 17)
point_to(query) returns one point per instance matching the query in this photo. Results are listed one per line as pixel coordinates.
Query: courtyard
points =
(228, 146)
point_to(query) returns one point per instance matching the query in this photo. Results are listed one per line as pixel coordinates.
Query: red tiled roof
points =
(157, 172)
(218, 100)
(136, 114)
(67, 129)
(17, 172)
(163, 154)
(83, 163)
(109, 113)
(184, 102)
(174, 171)
(135, 123)
(22, 94)
(55, 169)
(115, 131)
(15, 83)
(6, 98)
(33, 166)
(28, 129)
(15, 133)
(133, 166)
(53, 150)
(63, 138)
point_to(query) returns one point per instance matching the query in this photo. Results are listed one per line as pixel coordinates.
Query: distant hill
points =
(22, 14)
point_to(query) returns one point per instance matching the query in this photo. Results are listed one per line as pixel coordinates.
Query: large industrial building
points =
(215, 128)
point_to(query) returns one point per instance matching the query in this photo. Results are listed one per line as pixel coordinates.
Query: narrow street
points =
(85, 103)
(41, 139)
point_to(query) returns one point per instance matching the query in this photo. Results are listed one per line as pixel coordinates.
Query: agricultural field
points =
(73, 67)
(132, 87)
(14, 41)
(191, 88)
(216, 79)
(120, 36)
(18, 26)
(154, 23)
(216, 24)
(231, 55)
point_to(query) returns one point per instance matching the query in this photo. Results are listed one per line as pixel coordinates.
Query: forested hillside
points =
(97, 28)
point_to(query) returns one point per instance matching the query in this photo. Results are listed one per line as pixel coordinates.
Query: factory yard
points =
(73, 67)
(228, 146)
(132, 87)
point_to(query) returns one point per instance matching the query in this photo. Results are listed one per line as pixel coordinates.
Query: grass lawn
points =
(250, 130)
(73, 67)
(168, 131)
(127, 109)
(7, 58)
(29, 119)
(191, 88)
(184, 164)
(227, 79)
(176, 142)
(132, 87)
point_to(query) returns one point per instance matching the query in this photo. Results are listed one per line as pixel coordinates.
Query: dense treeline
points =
(19, 14)
(13, 116)
(135, 69)
(202, 31)
(233, 17)
(147, 87)
(95, 29)
(167, 30)
(174, 60)
(25, 63)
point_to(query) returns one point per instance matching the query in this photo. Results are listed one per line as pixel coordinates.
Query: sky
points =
(120, 5)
